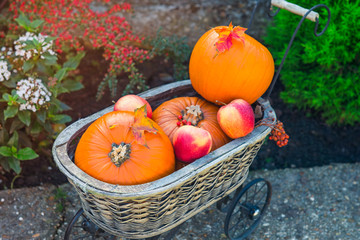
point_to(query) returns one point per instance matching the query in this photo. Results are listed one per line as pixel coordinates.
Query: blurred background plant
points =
(31, 80)
(173, 48)
(321, 74)
(85, 25)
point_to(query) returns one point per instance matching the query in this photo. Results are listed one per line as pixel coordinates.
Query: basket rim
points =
(90, 184)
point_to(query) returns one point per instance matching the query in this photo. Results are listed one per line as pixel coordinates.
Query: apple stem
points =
(220, 103)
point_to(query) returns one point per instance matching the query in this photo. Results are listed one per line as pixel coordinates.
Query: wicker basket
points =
(146, 210)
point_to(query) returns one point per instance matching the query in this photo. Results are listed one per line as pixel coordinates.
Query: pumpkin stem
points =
(193, 114)
(119, 153)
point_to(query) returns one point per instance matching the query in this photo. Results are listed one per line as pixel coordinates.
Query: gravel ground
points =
(307, 203)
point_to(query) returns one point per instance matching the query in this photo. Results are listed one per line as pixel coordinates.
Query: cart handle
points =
(267, 95)
(313, 16)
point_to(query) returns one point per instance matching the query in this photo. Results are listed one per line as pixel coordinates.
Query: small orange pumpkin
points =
(227, 64)
(197, 111)
(108, 151)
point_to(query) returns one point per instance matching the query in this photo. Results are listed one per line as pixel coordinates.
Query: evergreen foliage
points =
(321, 73)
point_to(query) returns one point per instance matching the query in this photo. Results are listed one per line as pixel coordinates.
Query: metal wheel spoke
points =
(263, 196)
(240, 207)
(244, 213)
(257, 191)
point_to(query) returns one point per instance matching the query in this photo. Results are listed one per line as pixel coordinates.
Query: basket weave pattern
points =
(146, 210)
(149, 214)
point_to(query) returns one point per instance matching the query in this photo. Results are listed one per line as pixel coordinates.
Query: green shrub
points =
(174, 48)
(31, 80)
(321, 73)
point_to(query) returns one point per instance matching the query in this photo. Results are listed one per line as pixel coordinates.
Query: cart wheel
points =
(80, 227)
(247, 209)
(223, 204)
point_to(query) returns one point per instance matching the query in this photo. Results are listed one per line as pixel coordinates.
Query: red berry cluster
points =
(278, 134)
(78, 27)
(182, 121)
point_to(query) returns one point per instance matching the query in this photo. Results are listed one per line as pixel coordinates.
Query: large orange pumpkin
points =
(108, 151)
(199, 112)
(245, 70)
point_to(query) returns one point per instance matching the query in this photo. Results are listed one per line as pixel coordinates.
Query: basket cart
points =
(157, 208)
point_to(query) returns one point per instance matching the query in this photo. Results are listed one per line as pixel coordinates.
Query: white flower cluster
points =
(27, 54)
(5, 52)
(33, 92)
(4, 72)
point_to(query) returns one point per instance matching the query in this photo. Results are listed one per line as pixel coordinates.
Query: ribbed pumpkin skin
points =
(144, 164)
(166, 116)
(244, 71)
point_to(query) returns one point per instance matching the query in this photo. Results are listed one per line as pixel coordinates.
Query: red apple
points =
(191, 143)
(237, 118)
(131, 102)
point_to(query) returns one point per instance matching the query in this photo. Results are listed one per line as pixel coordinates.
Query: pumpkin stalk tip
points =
(192, 114)
(119, 153)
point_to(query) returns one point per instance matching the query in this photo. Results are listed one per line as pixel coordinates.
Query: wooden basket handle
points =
(295, 9)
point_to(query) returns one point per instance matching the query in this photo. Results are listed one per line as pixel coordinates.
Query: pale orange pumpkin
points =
(197, 111)
(108, 151)
(242, 69)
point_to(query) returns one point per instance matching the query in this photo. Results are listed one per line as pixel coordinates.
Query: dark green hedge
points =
(321, 73)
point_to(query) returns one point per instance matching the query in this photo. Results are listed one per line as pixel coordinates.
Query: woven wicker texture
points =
(148, 216)
(147, 210)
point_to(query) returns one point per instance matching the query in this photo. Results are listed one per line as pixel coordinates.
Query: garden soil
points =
(312, 142)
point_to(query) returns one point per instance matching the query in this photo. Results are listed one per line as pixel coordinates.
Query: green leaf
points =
(61, 105)
(48, 39)
(4, 136)
(41, 115)
(36, 128)
(15, 125)
(61, 118)
(28, 65)
(26, 154)
(14, 164)
(49, 59)
(5, 164)
(72, 85)
(13, 141)
(6, 97)
(60, 74)
(5, 151)
(74, 62)
(36, 23)
(31, 44)
(11, 83)
(23, 21)
(60, 89)
(10, 111)
(48, 127)
(25, 117)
